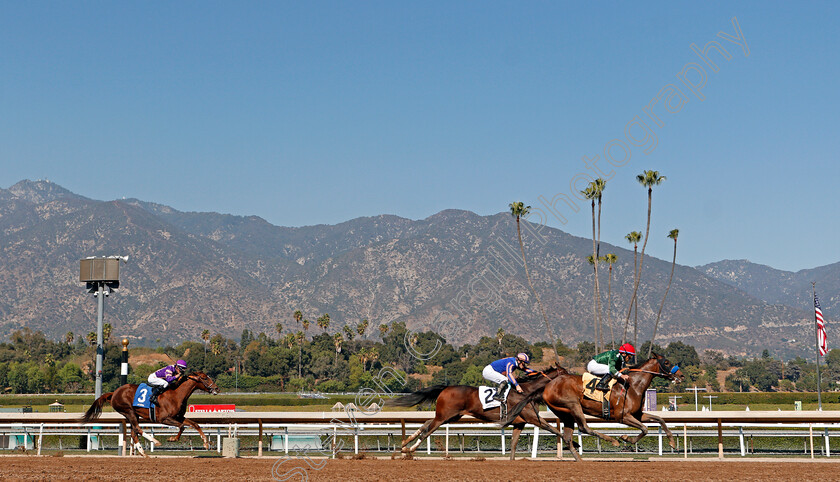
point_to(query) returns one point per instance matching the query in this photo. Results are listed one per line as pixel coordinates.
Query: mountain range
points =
(456, 272)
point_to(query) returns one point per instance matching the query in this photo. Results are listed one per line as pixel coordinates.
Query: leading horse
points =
(564, 396)
(453, 402)
(172, 405)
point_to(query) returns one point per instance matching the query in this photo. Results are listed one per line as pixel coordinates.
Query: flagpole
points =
(817, 338)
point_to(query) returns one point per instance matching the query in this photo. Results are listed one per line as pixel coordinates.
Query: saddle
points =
(590, 392)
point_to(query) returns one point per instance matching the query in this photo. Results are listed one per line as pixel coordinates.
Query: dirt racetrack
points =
(85, 468)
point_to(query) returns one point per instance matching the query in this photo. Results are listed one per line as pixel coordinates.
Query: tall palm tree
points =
(278, 327)
(68, 338)
(591, 193)
(517, 210)
(383, 330)
(337, 341)
(500, 335)
(591, 260)
(205, 335)
(106, 333)
(610, 258)
(633, 238)
(299, 337)
(673, 234)
(599, 185)
(647, 179)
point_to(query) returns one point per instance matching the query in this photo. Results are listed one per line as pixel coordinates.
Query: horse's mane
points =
(653, 356)
(534, 376)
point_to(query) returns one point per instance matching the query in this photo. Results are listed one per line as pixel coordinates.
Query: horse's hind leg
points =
(646, 417)
(633, 422)
(580, 419)
(197, 429)
(416, 434)
(177, 437)
(568, 431)
(514, 439)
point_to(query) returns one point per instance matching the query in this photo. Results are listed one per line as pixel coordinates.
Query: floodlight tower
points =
(101, 277)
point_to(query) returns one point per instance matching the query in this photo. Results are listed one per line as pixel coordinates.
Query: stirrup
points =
(605, 408)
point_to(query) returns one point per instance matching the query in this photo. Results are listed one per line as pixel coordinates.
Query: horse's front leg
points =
(177, 437)
(580, 418)
(647, 417)
(198, 429)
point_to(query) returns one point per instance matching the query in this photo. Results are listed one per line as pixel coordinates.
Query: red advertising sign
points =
(211, 408)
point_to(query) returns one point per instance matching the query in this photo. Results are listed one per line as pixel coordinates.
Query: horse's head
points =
(668, 369)
(204, 382)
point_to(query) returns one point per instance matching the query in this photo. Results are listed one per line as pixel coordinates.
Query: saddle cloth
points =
(142, 396)
(589, 391)
(486, 394)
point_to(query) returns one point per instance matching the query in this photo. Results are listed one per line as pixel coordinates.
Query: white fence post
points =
(536, 442)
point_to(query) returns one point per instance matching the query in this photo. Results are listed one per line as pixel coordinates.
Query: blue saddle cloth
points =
(142, 396)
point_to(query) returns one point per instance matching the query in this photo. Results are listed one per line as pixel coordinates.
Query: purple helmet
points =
(181, 364)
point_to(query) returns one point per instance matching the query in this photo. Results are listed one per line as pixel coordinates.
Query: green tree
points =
(362, 327)
(472, 377)
(673, 234)
(324, 321)
(205, 335)
(517, 210)
(383, 330)
(349, 332)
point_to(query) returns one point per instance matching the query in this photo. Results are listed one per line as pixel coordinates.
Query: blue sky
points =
(322, 112)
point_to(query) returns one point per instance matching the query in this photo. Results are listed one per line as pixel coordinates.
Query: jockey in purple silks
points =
(501, 372)
(161, 379)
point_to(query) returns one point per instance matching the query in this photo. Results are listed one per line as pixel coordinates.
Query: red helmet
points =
(627, 348)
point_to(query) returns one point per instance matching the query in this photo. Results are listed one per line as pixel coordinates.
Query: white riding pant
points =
(596, 368)
(492, 375)
(157, 382)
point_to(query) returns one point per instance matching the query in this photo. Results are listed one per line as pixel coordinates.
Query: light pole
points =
(695, 390)
(710, 397)
(101, 277)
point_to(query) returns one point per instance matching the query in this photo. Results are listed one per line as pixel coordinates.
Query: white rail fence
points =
(290, 434)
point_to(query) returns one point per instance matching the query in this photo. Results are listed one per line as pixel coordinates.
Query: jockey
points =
(611, 362)
(161, 379)
(501, 372)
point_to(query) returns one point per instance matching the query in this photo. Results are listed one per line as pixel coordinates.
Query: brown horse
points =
(564, 397)
(172, 405)
(453, 402)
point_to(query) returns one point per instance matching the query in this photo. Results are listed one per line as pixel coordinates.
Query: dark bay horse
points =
(453, 402)
(172, 405)
(564, 397)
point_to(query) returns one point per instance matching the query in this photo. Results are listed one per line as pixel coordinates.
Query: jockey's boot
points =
(155, 392)
(500, 391)
(604, 383)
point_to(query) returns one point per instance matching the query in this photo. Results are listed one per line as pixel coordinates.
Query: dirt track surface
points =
(86, 468)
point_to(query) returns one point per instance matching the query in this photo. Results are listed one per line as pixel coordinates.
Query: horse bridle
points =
(663, 370)
(200, 380)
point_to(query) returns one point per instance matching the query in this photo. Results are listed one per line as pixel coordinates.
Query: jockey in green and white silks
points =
(609, 363)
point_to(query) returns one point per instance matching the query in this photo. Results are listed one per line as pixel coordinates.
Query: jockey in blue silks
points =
(161, 379)
(501, 373)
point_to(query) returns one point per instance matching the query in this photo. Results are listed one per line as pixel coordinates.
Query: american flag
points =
(820, 326)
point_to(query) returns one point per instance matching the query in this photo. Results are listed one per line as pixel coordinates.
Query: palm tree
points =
(591, 193)
(500, 334)
(289, 340)
(383, 330)
(324, 321)
(68, 338)
(361, 327)
(278, 327)
(373, 355)
(517, 210)
(106, 333)
(673, 234)
(349, 332)
(599, 185)
(305, 324)
(610, 258)
(299, 337)
(633, 238)
(337, 341)
(647, 179)
(205, 335)
(298, 315)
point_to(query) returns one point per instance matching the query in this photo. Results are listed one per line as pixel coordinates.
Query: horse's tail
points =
(533, 397)
(95, 410)
(418, 397)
